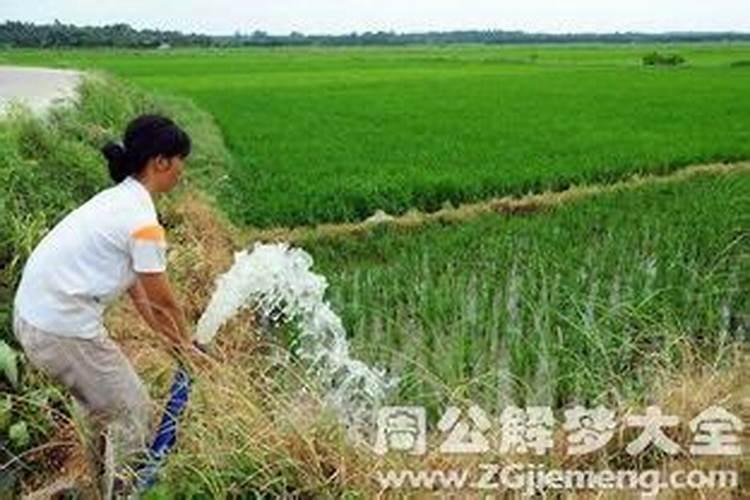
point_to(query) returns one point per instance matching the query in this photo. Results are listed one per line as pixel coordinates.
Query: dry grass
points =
(241, 433)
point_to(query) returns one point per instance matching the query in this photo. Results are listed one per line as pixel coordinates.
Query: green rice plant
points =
(584, 303)
(334, 134)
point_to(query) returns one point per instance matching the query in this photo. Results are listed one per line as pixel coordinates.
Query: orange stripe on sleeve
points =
(152, 232)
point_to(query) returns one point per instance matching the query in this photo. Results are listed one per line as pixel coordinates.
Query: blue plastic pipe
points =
(166, 434)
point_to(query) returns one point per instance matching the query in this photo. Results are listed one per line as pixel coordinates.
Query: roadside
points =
(37, 88)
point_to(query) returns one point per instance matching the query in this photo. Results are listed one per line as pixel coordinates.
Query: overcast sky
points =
(345, 16)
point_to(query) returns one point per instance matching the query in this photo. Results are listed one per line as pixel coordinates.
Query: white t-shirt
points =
(89, 259)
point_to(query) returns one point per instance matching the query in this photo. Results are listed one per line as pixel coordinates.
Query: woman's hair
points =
(146, 137)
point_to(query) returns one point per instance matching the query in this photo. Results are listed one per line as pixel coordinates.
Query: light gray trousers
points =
(104, 383)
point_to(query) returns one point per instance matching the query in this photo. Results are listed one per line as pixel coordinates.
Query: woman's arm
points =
(140, 301)
(153, 298)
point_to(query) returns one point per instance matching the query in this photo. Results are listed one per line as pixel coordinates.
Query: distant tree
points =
(57, 34)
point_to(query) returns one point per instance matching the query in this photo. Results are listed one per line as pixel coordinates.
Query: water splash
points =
(277, 282)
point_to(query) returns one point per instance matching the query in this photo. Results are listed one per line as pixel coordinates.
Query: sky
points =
(346, 16)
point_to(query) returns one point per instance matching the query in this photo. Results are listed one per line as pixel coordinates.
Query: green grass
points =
(584, 303)
(333, 134)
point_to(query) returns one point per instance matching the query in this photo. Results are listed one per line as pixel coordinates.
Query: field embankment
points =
(507, 205)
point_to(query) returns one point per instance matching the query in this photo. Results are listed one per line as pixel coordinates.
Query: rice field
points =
(589, 301)
(332, 135)
(583, 303)
(490, 307)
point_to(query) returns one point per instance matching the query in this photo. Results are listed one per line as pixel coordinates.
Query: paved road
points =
(37, 87)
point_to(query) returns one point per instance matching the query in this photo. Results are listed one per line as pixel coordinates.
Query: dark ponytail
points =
(115, 155)
(146, 137)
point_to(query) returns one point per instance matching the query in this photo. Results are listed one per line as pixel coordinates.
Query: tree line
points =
(23, 34)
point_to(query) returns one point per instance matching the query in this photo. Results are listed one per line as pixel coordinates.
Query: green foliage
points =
(9, 364)
(6, 406)
(23, 34)
(19, 435)
(659, 59)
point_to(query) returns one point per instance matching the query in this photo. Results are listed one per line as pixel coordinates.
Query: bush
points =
(659, 59)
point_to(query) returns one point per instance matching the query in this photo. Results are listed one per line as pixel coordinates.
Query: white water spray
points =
(277, 282)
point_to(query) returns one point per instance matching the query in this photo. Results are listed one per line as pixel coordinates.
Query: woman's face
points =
(168, 172)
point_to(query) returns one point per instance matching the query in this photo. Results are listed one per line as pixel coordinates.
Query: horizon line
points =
(250, 32)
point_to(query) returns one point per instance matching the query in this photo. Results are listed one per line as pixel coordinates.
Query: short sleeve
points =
(148, 247)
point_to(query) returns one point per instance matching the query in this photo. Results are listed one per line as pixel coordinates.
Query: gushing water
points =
(276, 281)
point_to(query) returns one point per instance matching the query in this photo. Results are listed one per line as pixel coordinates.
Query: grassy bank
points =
(48, 166)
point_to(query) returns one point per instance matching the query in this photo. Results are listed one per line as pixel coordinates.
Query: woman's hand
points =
(200, 358)
(153, 297)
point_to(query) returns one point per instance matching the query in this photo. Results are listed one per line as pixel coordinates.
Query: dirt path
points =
(38, 88)
(507, 205)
